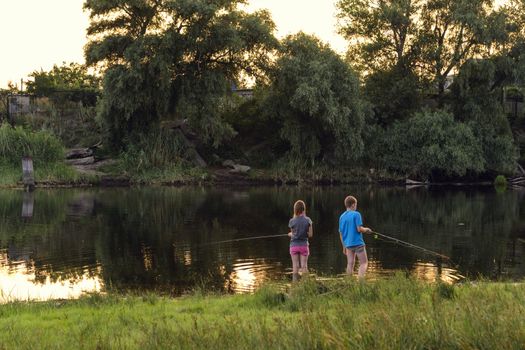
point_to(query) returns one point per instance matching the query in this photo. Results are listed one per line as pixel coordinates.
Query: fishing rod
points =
(410, 245)
(246, 239)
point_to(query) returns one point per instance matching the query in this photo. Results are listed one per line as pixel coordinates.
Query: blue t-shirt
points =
(349, 221)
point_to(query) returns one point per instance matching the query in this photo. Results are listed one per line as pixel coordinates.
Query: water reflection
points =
(18, 281)
(249, 274)
(166, 238)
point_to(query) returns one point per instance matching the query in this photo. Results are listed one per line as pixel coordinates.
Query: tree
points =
(382, 34)
(454, 31)
(432, 144)
(69, 81)
(173, 59)
(432, 38)
(476, 98)
(315, 95)
(383, 44)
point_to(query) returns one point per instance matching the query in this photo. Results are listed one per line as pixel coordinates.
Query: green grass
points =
(395, 313)
(167, 174)
(57, 173)
(18, 142)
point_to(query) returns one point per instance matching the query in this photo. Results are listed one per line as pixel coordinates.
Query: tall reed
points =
(18, 142)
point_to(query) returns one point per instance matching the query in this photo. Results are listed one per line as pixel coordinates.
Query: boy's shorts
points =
(300, 250)
(357, 248)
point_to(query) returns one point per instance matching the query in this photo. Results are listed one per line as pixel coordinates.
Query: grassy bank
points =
(395, 313)
(52, 174)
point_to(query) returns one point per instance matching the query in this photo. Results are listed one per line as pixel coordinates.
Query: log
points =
(77, 153)
(414, 182)
(81, 161)
(520, 170)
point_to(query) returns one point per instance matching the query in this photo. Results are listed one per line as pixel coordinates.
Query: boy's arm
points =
(359, 224)
(363, 229)
(344, 248)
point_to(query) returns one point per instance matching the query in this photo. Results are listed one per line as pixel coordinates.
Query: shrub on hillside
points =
(432, 142)
(18, 142)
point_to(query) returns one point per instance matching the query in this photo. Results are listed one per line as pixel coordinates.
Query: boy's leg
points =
(363, 263)
(350, 261)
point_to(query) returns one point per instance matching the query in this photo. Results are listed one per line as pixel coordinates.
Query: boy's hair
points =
(349, 201)
(298, 208)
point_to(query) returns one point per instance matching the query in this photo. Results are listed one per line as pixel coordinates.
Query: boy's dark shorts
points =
(357, 248)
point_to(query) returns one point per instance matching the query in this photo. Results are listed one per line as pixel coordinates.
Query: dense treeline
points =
(422, 90)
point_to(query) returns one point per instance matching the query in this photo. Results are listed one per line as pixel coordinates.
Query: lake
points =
(62, 243)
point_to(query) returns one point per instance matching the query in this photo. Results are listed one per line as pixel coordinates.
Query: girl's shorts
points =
(300, 250)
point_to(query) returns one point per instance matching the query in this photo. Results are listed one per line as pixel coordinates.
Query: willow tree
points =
(173, 59)
(314, 95)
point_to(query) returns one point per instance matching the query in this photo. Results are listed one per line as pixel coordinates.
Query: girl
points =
(301, 228)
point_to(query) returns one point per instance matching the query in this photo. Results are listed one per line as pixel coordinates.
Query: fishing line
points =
(245, 239)
(410, 245)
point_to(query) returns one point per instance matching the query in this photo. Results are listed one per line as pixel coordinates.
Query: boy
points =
(350, 231)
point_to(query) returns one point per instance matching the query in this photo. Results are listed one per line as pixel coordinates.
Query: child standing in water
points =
(350, 230)
(301, 228)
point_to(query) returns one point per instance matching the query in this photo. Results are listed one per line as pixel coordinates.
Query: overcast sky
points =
(36, 34)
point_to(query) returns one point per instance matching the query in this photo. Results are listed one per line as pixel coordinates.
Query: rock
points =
(240, 169)
(229, 163)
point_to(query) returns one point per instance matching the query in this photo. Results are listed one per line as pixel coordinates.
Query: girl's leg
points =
(295, 266)
(363, 263)
(304, 263)
(350, 258)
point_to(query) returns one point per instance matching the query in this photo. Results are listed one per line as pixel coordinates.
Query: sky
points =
(36, 34)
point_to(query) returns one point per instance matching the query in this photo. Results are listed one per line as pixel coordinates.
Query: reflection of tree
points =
(163, 237)
(49, 242)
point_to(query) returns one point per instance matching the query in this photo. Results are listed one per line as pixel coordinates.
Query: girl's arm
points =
(310, 231)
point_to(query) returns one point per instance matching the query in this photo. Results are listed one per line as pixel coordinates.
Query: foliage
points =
(157, 149)
(383, 33)
(500, 180)
(69, 82)
(453, 31)
(385, 314)
(394, 94)
(432, 144)
(476, 99)
(432, 37)
(16, 143)
(315, 96)
(173, 59)
(257, 140)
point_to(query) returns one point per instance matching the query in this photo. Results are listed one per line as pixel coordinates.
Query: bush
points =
(500, 181)
(18, 142)
(155, 150)
(432, 143)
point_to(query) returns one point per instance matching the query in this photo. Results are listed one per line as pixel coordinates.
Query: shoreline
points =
(398, 312)
(235, 180)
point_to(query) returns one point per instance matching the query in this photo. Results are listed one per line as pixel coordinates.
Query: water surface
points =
(64, 243)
